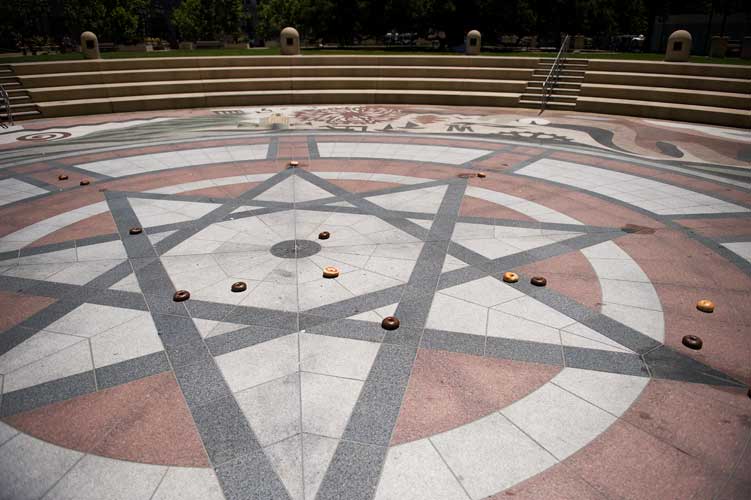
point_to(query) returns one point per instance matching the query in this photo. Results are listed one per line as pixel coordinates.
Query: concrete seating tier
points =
(102, 86)
(47, 94)
(703, 93)
(715, 94)
(250, 74)
(286, 61)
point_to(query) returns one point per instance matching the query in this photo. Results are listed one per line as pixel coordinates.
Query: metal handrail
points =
(6, 102)
(554, 73)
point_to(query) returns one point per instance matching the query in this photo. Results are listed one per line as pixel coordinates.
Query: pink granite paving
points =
(228, 191)
(30, 168)
(415, 139)
(595, 211)
(502, 161)
(475, 207)
(449, 389)
(423, 170)
(297, 149)
(671, 257)
(22, 215)
(16, 307)
(724, 332)
(678, 440)
(51, 177)
(739, 483)
(556, 483)
(628, 463)
(688, 417)
(570, 275)
(719, 227)
(362, 186)
(95, 225)
(142, 421)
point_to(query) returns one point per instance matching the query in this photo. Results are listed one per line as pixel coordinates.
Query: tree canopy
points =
(335, 21)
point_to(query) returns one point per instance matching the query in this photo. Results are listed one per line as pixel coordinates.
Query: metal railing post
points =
(6, 102)
(554, 73)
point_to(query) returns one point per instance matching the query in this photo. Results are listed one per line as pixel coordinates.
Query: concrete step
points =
(272, 84)
(559, 85)
(563, 78)
(566, 65)
(564, 72)
(671, 81)
(576, 69)
(702, 70)
(569, 60)
(23, 115)
(263, 72)
(21, 107)
(669, 95)
(552, 98)
(566, 106)
(275, 97)
(558, 91)
(19, 99)
(711, 115)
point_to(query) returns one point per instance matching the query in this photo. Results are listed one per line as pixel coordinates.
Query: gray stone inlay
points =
(47, 393)
(224, 430)
(242, 467)
(374, 416)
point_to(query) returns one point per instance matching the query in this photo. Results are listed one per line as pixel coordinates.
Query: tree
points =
(188, 20)
(123, 22)
(274, 15)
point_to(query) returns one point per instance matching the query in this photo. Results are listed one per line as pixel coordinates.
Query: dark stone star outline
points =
(233, 449)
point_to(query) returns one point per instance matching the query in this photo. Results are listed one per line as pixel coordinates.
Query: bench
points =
(209, 44)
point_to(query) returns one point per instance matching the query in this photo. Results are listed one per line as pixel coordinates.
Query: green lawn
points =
(275, 51)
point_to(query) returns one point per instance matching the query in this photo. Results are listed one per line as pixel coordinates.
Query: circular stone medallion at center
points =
(295, 249)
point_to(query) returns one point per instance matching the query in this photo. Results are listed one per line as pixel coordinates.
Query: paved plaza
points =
(291, 388)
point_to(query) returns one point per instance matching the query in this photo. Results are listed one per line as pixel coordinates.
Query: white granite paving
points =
(653, 196)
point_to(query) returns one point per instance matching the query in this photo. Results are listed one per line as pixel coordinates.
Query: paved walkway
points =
(290, 387)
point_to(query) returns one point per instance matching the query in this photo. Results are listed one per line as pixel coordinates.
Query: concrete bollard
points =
(90, 45)
(289, 42)
(473, 44)
(679, 46)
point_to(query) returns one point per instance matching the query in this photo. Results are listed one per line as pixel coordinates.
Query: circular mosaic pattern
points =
(486, 384)
(43, 136)
(295, 249)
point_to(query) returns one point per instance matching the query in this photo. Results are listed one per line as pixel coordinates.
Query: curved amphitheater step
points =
(143, 84)
(565, 90)
(703, 93)
(20, 102)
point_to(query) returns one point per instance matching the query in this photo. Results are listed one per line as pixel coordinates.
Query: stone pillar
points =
(578, 42)
(90, 45)
(474, 41)
(289, 42)
(746, 48)
(679, 46)
(718, 47)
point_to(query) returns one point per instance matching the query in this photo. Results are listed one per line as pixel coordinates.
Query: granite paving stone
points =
(292, 388)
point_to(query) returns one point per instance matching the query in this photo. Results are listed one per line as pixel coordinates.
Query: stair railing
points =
(554, 74)
(6, 103)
